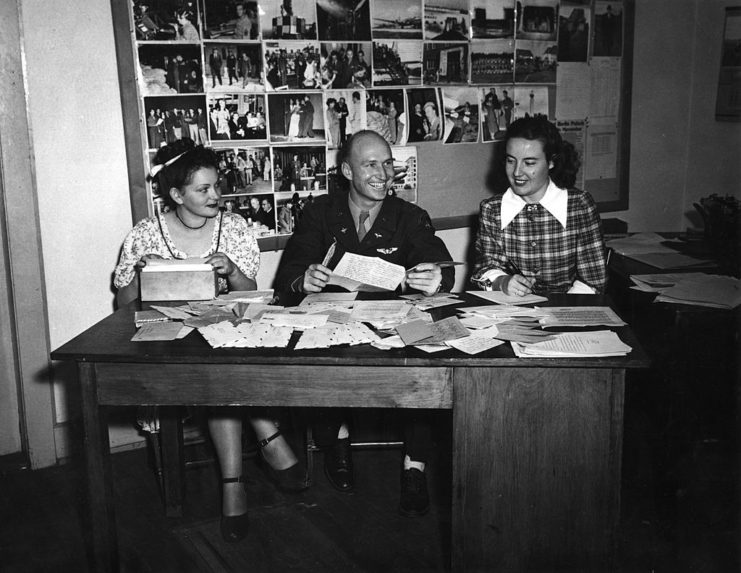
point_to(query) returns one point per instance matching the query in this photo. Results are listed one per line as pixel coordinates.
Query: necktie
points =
(362, 218)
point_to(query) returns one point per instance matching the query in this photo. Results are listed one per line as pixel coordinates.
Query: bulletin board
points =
(277, 86)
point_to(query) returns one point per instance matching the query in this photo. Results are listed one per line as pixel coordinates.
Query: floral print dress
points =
(151, 236)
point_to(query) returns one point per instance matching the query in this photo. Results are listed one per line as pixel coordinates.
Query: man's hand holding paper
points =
(425, 277)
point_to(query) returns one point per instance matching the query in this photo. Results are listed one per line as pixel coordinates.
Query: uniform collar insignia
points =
(388, 251)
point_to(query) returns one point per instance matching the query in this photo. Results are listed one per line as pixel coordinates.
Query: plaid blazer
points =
(536, 242)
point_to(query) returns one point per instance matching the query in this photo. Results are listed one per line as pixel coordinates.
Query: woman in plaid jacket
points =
(542, 235)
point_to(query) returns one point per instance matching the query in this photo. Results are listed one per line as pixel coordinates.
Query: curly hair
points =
(180, 160)
(562, 153)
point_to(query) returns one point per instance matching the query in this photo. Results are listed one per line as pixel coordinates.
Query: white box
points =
(175, 279)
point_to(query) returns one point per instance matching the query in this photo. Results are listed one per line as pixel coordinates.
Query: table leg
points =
(99, 478)
(536, 468)
(171, 429)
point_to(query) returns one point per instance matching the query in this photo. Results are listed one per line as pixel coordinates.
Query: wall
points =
(678, 150)
(714, 148)
(77, 134)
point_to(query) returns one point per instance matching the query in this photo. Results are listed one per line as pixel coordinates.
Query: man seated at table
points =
(366, 220)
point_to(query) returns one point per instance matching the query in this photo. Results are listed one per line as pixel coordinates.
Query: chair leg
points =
(310, 449)
(154, 442)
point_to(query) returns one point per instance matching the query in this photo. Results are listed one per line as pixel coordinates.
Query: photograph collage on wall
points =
(276, 87)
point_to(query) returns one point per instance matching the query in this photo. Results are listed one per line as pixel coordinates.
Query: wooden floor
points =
(680, 513)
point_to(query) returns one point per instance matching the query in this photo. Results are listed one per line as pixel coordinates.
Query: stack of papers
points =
(484, 316)
(326, 336)
(142, 317)
(659, 282)
(519, 331)
(498, 297)
(638, 244)
(423, 302)
(246, 335)
(672, 260)
(249, 296)
(158, 331)
(574, 344)
(381, 313)
(648, 248)
(421, 332)
(561, 316)
(293, 319)
(472, 343)
(705, 290)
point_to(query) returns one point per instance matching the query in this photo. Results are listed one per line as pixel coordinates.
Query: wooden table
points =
(695, 351)
(536, 443)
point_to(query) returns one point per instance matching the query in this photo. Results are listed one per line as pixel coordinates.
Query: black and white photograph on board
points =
(245, 170)
(233, 66)
(535, 61)
(234, 117)
(492, 18)
(396, 20)
(492, 105)
(461, 109)
(335, 180)
(492, 61)
(608, 29)
(397, 63)
(170, 118)
(288, 19)
(346, 65)
(343, 20)
(170, 69)
(445, 63)
(301, 168)
(349, 112)
(231, 20)
(531, 101)
(231, 171)
(286, 213)
(290, 207)
(447, 21)
(537, 20)
(296, 117)
(405, 187)
(292, 65)
(423, 119)
(166, 20)
(153, 25)
(573, 32)
(382, 110)
(257, 210)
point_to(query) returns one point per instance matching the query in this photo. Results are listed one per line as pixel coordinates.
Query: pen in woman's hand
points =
(511, 268)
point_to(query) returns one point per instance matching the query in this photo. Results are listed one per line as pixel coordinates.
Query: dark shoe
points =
(338, 466)
(234, 527)
(415, 501)
(292, 479)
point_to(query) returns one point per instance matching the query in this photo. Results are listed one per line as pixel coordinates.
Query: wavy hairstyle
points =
(562, 153)
(180, 160)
